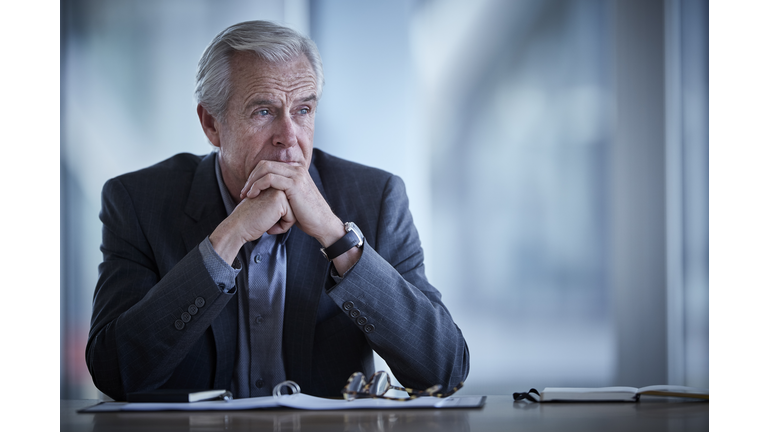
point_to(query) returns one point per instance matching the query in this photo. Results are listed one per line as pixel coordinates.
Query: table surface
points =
(500, 413)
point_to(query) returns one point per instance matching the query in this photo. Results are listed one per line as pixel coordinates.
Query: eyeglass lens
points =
(356, 383)
(379, 384)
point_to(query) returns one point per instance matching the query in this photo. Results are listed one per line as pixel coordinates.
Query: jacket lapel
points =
(204, 207)
(204, 211)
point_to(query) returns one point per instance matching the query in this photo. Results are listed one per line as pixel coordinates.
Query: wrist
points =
(226, 242)
(352, 239)
(333, 235)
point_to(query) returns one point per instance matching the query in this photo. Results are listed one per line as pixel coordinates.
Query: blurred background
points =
(555, 153)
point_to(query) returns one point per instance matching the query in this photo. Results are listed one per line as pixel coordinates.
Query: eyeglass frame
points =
(365, 391)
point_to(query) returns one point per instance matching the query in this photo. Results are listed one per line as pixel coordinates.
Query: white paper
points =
(297, 401)
(217, 405)
(307, 402)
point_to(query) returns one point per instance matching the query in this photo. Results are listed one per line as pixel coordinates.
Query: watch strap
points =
(350, 240)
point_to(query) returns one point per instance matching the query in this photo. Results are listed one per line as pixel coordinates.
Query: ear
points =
(211, 126)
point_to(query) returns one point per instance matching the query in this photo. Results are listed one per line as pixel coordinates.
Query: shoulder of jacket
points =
(332, 166)
(180, 165)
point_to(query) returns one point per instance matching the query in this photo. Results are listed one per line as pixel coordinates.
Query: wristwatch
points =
(353, 238)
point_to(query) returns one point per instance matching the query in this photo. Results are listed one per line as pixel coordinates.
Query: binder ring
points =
(291, 385)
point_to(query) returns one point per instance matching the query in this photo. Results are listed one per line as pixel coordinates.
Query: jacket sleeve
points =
(388, 297)
(144, 323)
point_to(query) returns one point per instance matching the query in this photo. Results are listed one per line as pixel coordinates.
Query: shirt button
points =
(259, 319)
(259, 383)
(347, 306)
(257, 258)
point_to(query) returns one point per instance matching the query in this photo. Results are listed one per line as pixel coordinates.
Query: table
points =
(500, 413)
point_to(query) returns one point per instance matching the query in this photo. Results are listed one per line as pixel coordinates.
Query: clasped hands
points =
(275, 197)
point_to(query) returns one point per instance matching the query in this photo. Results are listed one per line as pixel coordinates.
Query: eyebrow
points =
(272, 102)
(310, 98)
(257, 102)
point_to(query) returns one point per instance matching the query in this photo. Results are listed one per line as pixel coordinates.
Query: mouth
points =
(291, 163)
(288, 159)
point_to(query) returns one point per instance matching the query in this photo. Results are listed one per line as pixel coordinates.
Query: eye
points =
(304, 111)
(262, 112)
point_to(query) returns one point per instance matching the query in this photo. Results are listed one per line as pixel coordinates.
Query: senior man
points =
(265, 260)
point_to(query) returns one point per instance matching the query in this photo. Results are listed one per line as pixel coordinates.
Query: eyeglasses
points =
(379, 384)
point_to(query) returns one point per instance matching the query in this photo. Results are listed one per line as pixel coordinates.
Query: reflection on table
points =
(500, 413)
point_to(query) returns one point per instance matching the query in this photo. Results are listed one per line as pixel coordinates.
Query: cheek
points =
(238, 139)
(308, 130)
(308, 127)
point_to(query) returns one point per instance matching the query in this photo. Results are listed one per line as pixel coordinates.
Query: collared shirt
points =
(261, 304)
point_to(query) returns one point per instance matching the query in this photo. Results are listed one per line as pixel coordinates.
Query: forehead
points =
(251, 75)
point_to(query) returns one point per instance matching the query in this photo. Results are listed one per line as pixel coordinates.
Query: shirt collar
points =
(229, 203)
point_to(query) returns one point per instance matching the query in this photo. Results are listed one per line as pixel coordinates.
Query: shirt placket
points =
(266, 298)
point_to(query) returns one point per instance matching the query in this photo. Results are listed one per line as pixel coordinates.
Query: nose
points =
(285, 133)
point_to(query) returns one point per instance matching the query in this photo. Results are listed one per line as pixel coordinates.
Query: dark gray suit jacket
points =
(155, 218)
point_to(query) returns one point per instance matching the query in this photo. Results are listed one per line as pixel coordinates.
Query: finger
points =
(251, 189)
(288, 216)
(248, 189)
(255, 189)
(280, 227)
(266, 167)
(250, 193)
(252, 177)
(284, 223)
(271, 180)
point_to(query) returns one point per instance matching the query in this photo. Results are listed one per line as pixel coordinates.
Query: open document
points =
(296, 401)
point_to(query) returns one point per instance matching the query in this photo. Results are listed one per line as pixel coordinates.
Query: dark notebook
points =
(176, 395)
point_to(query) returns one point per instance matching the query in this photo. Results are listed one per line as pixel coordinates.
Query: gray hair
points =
(267, 40)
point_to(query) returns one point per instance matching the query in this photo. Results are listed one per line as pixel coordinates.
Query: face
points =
(270, 116)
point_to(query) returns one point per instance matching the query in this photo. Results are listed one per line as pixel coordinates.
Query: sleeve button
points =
(199, 302)
(354, 313)
(192, 309)
(347, 306)
(369, 328)
(179, 324)
(362, 321)
(186, 317)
